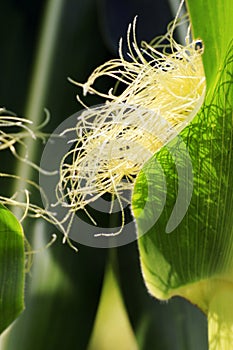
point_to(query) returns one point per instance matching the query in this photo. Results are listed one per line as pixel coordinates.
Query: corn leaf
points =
(186, 247)
(11, 268)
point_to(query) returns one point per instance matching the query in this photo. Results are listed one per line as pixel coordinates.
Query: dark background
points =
(89, 33)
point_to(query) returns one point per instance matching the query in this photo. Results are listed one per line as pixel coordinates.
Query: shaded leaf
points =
(11, 268)
(63, 290)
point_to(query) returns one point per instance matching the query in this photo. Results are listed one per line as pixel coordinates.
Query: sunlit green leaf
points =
(212, 22)
(189, 256)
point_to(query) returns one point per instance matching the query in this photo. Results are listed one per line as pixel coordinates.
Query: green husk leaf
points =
(187, 253)
(212, 22)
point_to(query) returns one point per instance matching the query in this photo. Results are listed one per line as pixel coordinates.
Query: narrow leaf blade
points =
(11, 268)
